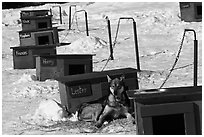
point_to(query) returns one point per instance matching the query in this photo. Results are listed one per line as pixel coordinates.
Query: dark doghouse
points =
(170, 111)
(52, 66)
(34, 23)
(34, 13)
(191, 11)
(77, 89)
(24, 56)
(46, 36)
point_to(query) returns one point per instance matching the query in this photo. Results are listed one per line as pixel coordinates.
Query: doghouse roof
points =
(35, 47)
(99, 76)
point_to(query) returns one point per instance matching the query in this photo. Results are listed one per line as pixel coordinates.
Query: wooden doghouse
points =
(34, 23)
(34, 13)
(24, 56)
(170, 111)
(191, 11)
(77, 89)
(39, 37)
(52, 66)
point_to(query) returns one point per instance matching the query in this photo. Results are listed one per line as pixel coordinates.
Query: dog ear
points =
(122, 77)
(109, 79)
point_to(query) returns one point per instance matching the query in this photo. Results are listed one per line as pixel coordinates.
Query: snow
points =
(83, 45)
(159, 33)
(48, 113)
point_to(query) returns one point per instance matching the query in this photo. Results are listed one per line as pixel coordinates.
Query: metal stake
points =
(110, 39)
(86, 21)
(136, 45)
(60, 12)
(70, 15)
(195, 58)
(135, 39)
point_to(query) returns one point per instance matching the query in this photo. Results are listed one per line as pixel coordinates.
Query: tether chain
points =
(76, 21)
(70, 24)
(114, 43)
(176, 60)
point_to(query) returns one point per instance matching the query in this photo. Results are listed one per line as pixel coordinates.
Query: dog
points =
(117, 103)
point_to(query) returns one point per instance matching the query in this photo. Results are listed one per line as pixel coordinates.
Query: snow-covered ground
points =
(159, 32)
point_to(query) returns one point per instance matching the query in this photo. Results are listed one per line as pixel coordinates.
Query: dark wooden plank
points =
(166, 109)
(176, 94)
(128, 72)
(190, 123)
(148, 127)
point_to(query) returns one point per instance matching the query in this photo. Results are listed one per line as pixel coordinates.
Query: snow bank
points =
(83, 45)
(26, 78)
(35, 90)
(157, 21)
(49, 112)
(28, 87)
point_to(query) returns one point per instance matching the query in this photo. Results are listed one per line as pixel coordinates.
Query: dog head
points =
(116, 86)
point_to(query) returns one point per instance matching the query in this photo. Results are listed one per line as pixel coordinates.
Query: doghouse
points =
(34, 13)
(77, 89)
(24, 56)
(191, 11)
(52, 66)
(36, 22)
(39, 37)
(170, 111)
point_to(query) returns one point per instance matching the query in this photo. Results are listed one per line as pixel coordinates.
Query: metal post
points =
(86, 20)
(50, 11)
(110, 39)
(195, 80)
(70, 14)
(136, 45)
(195, 62)
(87, 29)
(135, 39)
(60, 11)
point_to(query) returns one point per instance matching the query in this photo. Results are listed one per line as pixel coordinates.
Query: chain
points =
(114, 43)
(175, 62)
(71, 24)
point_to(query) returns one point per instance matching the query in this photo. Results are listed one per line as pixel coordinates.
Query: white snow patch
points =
(26, 78)
(84, 45)
(49, 112)
(34, 90)
(49, 109)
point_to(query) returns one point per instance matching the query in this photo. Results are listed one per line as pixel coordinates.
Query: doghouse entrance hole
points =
(42, 25)
(43, 40)
(199, 10)
(76, 69)
(168, 124)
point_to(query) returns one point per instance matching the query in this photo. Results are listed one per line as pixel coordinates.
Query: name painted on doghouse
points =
(48, 62)
(80, 91)
(185, 5)
(26, 21)
(25, 13)
(21, 52)
(25, 35)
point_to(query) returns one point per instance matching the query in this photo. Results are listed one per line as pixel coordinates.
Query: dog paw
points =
(98, 125)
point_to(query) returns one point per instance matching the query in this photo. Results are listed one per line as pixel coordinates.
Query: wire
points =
(71, 24)
(175, 62)
(114, 43)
